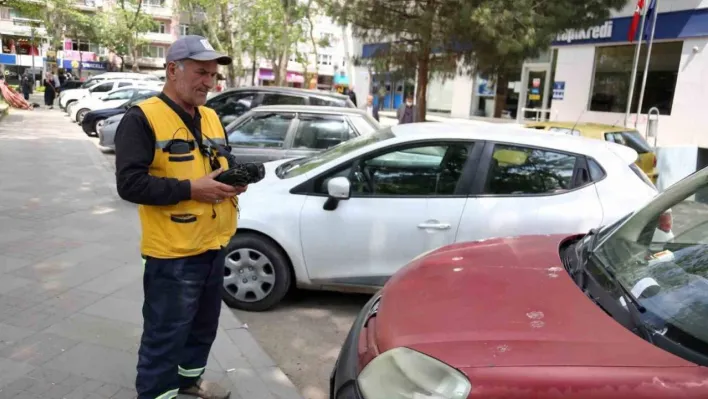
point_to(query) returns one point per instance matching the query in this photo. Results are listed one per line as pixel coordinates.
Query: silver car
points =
(107, 132)
(268, 133)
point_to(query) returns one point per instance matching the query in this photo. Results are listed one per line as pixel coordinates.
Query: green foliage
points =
(490, 36)
(120, 30)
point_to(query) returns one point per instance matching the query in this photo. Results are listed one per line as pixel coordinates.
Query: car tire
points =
(81, 114)
(66, 109)
(96, 125)
(245, 250)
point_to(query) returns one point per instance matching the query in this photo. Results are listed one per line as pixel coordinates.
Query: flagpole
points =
(635, 65)
(654, 17)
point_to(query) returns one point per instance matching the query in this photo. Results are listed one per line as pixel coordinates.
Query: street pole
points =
(654, 17)
(635, 65)
(34, 46)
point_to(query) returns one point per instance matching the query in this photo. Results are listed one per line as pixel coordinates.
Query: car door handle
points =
(434, 226)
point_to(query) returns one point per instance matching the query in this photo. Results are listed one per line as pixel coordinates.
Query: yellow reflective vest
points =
(189, 227)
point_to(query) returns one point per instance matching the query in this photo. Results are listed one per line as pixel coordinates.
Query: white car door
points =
(530, 191)
(405, 200)
(101, 89)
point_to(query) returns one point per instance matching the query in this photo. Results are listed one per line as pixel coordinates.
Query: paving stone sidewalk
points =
(70, 276)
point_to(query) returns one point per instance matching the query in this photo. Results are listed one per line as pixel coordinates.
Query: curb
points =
(235, 348)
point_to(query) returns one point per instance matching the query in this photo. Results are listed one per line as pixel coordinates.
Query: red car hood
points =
(504, 302)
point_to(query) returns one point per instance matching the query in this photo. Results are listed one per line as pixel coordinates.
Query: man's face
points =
(409, 101)
(369, 100)
(194, 81)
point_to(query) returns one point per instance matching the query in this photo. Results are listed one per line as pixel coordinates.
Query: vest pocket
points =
(183, 218)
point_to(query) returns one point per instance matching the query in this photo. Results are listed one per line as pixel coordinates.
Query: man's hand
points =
(206, 189)
(241, 189)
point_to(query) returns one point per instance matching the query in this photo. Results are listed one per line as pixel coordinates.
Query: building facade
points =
(593, 71)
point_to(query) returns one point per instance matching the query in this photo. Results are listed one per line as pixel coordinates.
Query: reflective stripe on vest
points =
(190, 227)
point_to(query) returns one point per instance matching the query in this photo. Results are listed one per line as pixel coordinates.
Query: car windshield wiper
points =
(632, 304)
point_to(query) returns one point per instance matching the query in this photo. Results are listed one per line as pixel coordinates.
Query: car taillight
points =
(654, 164)
(665, 222)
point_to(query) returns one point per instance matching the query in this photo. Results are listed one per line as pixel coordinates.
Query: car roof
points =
(288, 90)
(500, 132)
(309, 108)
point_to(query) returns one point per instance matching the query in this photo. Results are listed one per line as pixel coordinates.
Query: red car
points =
(605, 315)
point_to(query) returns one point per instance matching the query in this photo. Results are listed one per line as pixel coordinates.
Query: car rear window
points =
(631, 139)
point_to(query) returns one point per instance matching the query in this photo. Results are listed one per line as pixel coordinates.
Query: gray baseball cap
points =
(196, 48)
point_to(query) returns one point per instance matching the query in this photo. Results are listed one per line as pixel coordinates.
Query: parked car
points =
(602, 315)
(274, 132)
(232, 103)
(349, 217)
(107, 132)
(616, 134)
(99, 90)
(95, 119)
(112, 99)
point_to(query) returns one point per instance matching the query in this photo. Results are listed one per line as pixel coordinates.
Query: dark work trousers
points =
(181, 315)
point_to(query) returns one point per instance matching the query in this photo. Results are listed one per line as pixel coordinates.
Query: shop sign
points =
(603, 31)
(558, 90)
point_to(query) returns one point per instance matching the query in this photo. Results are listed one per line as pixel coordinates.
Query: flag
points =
(635, 21)
(651, 14)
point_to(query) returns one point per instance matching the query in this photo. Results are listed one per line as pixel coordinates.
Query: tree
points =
(121, 30)
(222, 23)
(486, 36)
(284, 29)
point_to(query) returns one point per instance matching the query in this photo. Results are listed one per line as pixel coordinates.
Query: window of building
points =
(82, 45)
(159, 27)
(613, 71)
(154, 3)
(524, 171)
(152, 51)
(183, 29)
(5, 14)
(324, 59)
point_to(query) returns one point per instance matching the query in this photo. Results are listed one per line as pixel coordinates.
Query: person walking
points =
(352, 95)
(407, 112)
(370, 109)
(166, 160)
(50, 90)
(26, 85)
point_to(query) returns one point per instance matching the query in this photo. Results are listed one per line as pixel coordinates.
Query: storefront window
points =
(613, 71)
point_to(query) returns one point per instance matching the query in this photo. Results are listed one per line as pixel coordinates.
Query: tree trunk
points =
(422, 85)
(253, 69)
(135, 67)
(81, 59)
(500, 95)
(122, 62)
(230, 45)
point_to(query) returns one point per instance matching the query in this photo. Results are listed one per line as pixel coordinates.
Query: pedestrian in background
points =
(407, 112)
(166, 161)
(50, 90)
(352, 95)
(370, 109)
(26, 85)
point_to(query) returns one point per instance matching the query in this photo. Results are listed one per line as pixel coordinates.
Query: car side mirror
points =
(338, 189)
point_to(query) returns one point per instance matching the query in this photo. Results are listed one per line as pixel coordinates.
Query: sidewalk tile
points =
(9, 264)
(110, 282)
(248, 384)
(119, 309)
(99, 331)
(98, 363)
(11, 370)
(38, 349)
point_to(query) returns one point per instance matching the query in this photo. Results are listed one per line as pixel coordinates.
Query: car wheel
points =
(68, 107)
(256, 273)
(81, 114)
(99, 124)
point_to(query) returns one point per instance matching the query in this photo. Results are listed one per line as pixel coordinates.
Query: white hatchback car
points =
(112, 99)
(348, 218)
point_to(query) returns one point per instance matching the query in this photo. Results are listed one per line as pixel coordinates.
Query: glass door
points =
(534, 96)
